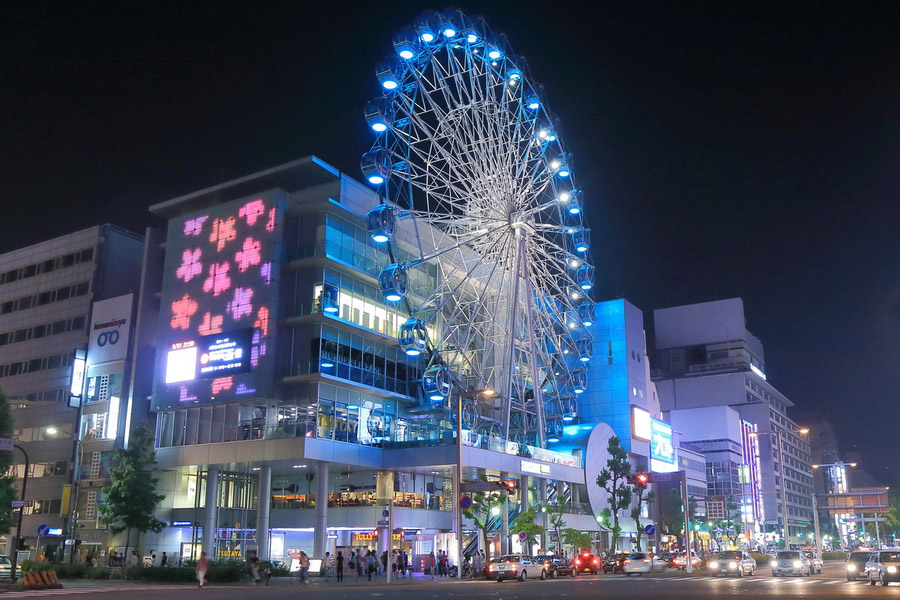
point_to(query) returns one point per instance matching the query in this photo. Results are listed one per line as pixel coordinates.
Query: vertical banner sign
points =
(77, 380)
(661, 446)
(110, 325)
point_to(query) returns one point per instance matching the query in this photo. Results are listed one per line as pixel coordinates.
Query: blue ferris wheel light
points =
(494, 53)
(471, 38)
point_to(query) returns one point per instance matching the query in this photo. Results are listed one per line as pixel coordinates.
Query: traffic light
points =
(638, 480)
(511, 486)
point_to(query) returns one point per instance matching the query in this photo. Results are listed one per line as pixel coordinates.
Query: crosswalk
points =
(82, 590)
(771, 581)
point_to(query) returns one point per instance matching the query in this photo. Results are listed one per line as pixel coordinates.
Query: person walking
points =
(164, 560)
(304, 568)
(202, 566)
(477, 564)
(404, 564)
(361, 562)
(442, 564)
(384, 563)
(432, 563)
(326, 565)
(339, 566)
(370, 564)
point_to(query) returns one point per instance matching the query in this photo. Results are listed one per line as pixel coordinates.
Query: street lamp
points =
(74, 480)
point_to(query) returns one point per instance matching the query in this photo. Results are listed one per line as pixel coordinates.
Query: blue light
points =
(449, 32)
(427, 36)
(585, 358)
(376, 179)
(380, 238)
(326, 364)
(578, 391)
(514, 75)
(553, 438)
(379, 126)
(406, 43)
(471, 38)
(568, 418)
(389, 84)
(353, 407)
(388, 73)
(409, 351)
(392, 297)
(564, 172)
(494, 53)
(406, 54)
(331, 309)
(574, 210)
(436, 397)
(532, 102)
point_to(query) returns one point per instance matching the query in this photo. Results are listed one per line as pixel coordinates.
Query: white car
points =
(514, 566)
(732, 562)
(641, 562)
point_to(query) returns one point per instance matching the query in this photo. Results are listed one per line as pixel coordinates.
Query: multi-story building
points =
(706, 358)
(58, 299)
(288, 416)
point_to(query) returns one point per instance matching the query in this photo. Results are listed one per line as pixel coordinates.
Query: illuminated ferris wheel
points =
(481, 223)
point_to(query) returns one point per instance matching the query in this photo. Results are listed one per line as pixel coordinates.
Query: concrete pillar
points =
(212, 502)
(262, 512)
(541, 500)
(320, 535)
(524, 492)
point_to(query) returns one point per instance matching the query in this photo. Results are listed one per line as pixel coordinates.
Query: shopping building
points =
(65, 299)
(287, 414)
(707, 358)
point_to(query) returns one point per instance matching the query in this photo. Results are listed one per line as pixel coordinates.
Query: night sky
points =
(726, 149)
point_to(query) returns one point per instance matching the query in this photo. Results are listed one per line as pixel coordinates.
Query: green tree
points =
(730, 527)
(7, 490)
(579, 540)
(131, 498)
(643, 495)
(524, 523)
(557, 521)
(483, 505)
(612, 479)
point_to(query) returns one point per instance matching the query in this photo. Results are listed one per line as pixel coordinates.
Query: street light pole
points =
(15, 556)
(74, 483)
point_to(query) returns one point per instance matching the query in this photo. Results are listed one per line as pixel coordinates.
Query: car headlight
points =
(798, 564)
(851, 567)
(774, 563)
(892, 569)
(714, 565)
(732, 565)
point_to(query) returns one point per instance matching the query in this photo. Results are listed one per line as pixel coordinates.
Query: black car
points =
(586, 563)
(555, 566)
(615, 563)
(856, 565)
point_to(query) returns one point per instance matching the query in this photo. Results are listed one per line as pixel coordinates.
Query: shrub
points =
(834, 555)
(222, 571)
(762, 560)
(98, 573)
(276, 567)
(170, 574)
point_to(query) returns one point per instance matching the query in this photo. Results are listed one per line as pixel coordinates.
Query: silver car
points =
(791, 562)
(732, 562)
(515, 566)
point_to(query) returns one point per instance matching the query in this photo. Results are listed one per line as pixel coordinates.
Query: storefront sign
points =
(527, 466)
(661, 447)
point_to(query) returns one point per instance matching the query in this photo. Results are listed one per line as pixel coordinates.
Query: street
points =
(830, 584)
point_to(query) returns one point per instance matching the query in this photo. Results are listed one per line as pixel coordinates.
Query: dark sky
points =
(726, 149)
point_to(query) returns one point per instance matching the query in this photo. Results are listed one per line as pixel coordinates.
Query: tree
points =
(579, 540)
(612, 479)
(643, 495)
(7, 459)
(731, 527)
(557, 521)
(524, 523)
(131, 499)
(483, 505)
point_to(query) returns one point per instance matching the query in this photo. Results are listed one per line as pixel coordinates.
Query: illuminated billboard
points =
(219, 301)
(640, 424)
(661, 446)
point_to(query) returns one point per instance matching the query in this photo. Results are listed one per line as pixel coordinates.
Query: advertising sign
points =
(110, 324)
(209, 356)
(640, 423)
(661, 447)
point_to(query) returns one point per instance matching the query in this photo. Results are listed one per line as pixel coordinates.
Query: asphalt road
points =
(830, 584)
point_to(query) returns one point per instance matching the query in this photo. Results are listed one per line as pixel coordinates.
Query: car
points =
(587, 563)
(883, 566)
(614, 563)
(5, 568)
(732, 562)
(641, 562)
(814, 560)
(791, 562)
(856, 565)
(554, 566)
(515, 566)
(679, 561)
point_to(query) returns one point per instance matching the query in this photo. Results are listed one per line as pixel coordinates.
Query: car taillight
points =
(627, 560)
(646, 560)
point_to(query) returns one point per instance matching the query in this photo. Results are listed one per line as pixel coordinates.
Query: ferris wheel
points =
(482, 227)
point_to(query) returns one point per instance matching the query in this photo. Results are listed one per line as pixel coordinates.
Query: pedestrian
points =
(404, 564)
(339, 566)
(153, 560)
(384, 562)
(164, 560)
(371, 568)
(202, 565)
(431, 564)
(442, 564)
(361, 562)
(477, 564)
(304, 568)
(326, 565)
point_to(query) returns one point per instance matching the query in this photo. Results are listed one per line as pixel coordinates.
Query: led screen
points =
(220, 286)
